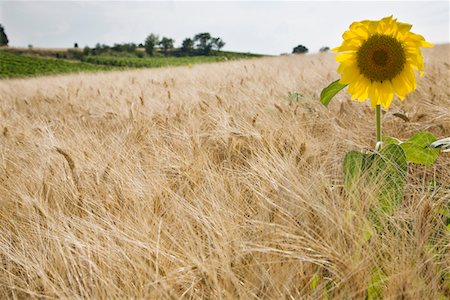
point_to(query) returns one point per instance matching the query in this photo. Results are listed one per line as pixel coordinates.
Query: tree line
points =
(3, 37)
(201, 44)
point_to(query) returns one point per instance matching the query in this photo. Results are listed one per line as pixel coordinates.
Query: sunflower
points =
(378, 60)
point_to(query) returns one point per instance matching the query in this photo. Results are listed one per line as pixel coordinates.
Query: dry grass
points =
(205, 182)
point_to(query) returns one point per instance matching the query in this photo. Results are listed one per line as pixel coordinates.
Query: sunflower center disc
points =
(381, 57)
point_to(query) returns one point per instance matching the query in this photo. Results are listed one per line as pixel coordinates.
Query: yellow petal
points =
(374, 93)
(399, 87)
(358, 89)
(386, 26)
(350, 75)
(402, 30)
(357, 32)
(386, 94)
(417, 40)
(403, 27)
(350, 45)
(410, 78)
(363, 87)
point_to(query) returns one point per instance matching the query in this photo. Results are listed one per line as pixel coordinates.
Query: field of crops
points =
(16, 65)
(155, 62)
(221, 181)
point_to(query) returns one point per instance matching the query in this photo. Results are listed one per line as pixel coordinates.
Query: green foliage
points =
(353, 166)
(444, 213)
(150, 42)
(204, 43)
(376, 285)
(3, 37)
(153, 62)
(417, 148)
(15, 65)
(314, 282)
(330, 91)
(420, 155)
(187, 47)
(386, 170)
(324, 49)
(86, 50)
(166, 44)
(20, 64)
(124, 47)
(300, 49)
(218, 43)
(391, 140)
(74, 54)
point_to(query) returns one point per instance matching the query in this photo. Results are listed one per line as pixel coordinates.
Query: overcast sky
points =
(268, 27)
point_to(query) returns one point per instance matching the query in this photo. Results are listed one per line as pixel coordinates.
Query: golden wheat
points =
(211, 182)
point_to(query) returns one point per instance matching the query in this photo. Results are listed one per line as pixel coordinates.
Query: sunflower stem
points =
(378, 118)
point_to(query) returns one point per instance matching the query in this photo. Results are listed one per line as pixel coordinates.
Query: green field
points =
(24, 65)
(154, 62)
(16, 65)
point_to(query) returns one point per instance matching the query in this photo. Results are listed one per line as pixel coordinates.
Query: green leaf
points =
(367, 234)
(314, 282)
(422, 139)
(388, 170)
(420, 155)
(393, 168)
(376, 285)
(417, 150)
(352, 168)
(330, 91)
(391, 140)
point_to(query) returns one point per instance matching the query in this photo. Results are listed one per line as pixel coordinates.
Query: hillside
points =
(216, 181)
(15, 65)
(24, 62)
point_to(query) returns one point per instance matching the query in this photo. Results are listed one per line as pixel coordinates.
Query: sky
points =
(266, 27)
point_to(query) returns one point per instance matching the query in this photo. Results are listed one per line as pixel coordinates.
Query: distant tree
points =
(117, 47)
(104, 47)
(86, 50)
(141, 45)
(150, 42)
(204, 43)
(100, 49)
(300, 49)
(75, 45)
(30, 46)
(324, 49)
(3, 38)
(166, 44)
(125, 47)
(130, 47)
(218, 43)
(187, 47)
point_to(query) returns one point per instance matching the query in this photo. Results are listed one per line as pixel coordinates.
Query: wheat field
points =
(217, 181)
